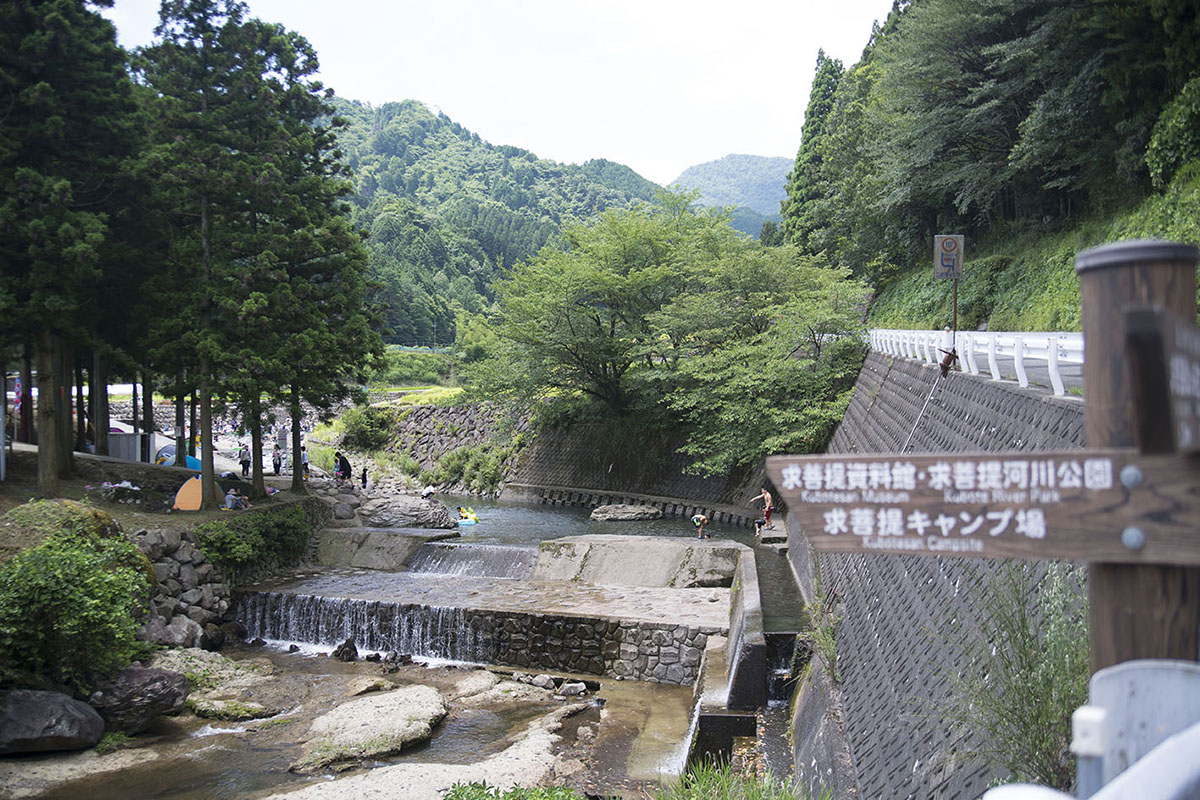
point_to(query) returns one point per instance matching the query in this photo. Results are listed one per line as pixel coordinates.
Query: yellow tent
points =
(188, 496)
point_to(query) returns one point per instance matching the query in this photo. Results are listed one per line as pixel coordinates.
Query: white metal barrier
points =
(986, 348)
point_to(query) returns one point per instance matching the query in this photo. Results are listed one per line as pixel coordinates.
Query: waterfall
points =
(477, 560)
(451, 633)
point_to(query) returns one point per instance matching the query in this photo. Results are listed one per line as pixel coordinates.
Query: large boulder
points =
(373, 726)
(625, 511)
(405, 511)
(38, 722)
(137, 696)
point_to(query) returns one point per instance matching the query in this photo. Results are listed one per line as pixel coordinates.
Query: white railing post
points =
(991, 354)
(1019, 361)
(1052, 365)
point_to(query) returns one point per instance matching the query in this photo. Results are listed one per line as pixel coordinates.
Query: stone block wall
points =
(429, 432)
(895, 643)
(600, 646)
(192, 597)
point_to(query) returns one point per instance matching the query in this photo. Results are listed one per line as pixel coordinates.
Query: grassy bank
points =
(1025, 281)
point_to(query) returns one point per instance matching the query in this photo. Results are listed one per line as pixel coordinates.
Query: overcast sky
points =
(659, 85)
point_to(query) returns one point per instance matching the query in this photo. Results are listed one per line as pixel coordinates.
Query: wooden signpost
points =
(1129, 505)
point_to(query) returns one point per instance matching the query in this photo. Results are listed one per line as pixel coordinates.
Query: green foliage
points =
(447, 211)
(820, 630)
(667, 316)
(368, 428)
(719, 782)
(1036, 113)
(1027, 673)
(48, 517)
(755, 182)
(256, 540)
(1025, 281)
(479, 790)
(69, 609)
(405, 366)
(402, 463)
(478, 468)
(111, 742)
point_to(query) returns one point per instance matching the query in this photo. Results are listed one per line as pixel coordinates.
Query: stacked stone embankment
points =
(903, 616)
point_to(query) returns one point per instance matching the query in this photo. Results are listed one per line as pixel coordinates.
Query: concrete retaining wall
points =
(893, 648)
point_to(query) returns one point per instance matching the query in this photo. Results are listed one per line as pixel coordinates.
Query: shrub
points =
(479, 468)
(1027, 673)
(368, 428)
(720, 782)
(260, 539)
(1176, 136)
(69, 609)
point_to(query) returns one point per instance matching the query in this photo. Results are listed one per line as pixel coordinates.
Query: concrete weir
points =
(648, 609)
(634, 607)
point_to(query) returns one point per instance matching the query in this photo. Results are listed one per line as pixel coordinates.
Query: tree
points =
(576, 321)
(67, 132)
(803, 182)
(770, 346)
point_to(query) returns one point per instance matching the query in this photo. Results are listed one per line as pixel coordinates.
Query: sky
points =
(658, 85)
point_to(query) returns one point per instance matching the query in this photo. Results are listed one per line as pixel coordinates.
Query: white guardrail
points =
(1051, 349)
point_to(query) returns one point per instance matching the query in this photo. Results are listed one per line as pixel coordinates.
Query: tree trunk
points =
(63, 408)
(258, 486)
(26, 433)
(192, 425)
(297, 466)
(181, 435)
(210, 493)
(148, 415)
(100, 413)
(47, 426)
(81, 415)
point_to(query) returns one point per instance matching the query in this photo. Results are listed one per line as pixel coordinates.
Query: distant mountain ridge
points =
(754, 182)
(447, 212)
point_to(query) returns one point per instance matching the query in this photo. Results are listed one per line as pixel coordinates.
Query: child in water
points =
(699, 520)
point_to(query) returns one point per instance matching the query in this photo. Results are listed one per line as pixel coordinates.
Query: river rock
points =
(624, 511)
(346, 651)
(572, 688)
(137, 696)
(543, 681)
(38, 722)
(404, 511)
(373, 726)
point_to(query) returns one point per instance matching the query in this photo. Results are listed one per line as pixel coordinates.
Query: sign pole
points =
(1136, 610)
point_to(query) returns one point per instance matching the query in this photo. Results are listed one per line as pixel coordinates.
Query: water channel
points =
(196, 758)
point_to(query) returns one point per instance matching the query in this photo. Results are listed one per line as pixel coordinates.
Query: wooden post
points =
(1136, 611)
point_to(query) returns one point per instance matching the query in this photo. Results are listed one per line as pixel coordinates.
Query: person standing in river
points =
(699, 520)
(768, 506)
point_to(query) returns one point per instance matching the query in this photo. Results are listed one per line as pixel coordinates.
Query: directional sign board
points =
(1164, 351)
(948, 254)
(1073, 505)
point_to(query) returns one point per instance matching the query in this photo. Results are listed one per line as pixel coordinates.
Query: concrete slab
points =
(638, 560)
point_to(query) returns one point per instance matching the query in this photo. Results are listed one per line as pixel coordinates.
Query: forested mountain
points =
(999, 120)
(755, 182)
(447, 211)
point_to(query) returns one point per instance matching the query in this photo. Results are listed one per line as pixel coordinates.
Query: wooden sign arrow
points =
(1085, 505)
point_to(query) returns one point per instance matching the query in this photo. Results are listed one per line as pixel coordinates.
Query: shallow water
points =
(503, 522)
